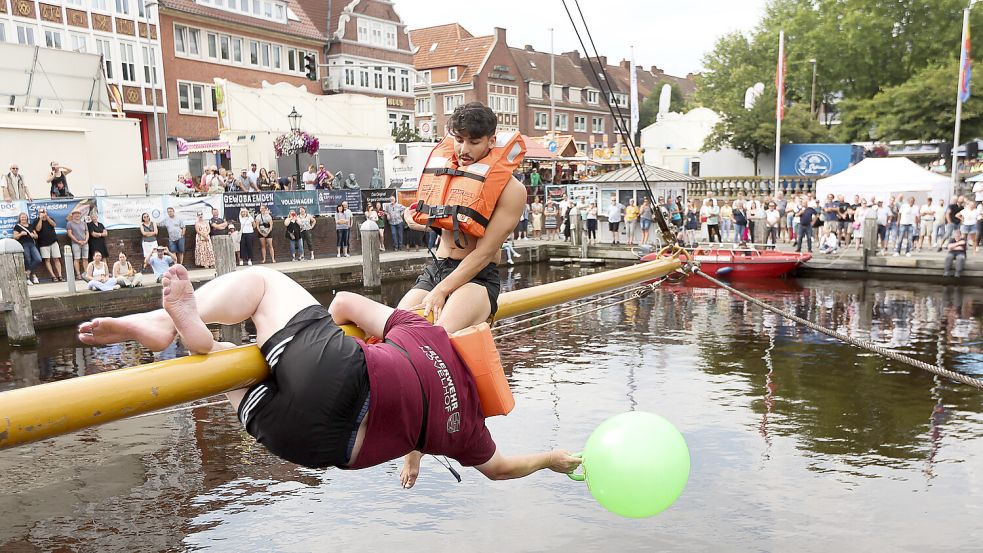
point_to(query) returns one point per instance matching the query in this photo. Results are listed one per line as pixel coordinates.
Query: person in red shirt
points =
(330, 399)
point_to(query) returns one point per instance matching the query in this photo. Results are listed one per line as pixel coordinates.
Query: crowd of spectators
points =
(216, 180)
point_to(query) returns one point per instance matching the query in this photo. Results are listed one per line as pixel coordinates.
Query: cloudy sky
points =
(671, 35)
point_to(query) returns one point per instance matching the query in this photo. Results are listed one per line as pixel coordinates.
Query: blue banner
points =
(818, 160)
(284, 202)
(328, 200)
(9, 212)
(58, 210)
(234, 202)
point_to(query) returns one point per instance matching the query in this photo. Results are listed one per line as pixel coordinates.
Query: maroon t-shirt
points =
(455, 425)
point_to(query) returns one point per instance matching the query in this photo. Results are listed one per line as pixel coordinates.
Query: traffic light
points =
(310, 67)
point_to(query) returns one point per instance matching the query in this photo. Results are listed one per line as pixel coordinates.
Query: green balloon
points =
(636, 464)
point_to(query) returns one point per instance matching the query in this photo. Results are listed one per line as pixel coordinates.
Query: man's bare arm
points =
(408, 219)
(500, 467)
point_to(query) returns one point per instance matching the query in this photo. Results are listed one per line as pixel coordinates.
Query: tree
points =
(649, 110)
(752, 131)
(406, 133)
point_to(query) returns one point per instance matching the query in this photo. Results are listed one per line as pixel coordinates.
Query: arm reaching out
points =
(500, 467)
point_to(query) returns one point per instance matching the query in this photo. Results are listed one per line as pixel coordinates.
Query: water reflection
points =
(777, 417)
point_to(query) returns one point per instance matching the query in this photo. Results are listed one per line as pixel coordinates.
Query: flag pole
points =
(779, 103)
(964, 53)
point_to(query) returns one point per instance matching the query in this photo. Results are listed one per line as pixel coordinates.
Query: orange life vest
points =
(476, 347)
(462, 199)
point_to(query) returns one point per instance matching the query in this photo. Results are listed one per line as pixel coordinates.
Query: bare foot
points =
(180, 304)
(154, 330)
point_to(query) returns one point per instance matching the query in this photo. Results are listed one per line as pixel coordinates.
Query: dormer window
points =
(377, 33)
(452, 74)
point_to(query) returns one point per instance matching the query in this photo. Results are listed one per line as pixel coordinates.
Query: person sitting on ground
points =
(956, 255)
(124, 273)
(98, 275)
(159, 261)
(509, 248)
(331, 399)
(830, 243)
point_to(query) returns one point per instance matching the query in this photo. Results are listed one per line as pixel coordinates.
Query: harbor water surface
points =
(797, 442)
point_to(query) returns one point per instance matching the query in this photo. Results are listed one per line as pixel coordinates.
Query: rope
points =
(940, 371)
(178, 409)
(563, 309)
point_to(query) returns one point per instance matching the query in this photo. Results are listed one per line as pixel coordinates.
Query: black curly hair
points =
(473, 120)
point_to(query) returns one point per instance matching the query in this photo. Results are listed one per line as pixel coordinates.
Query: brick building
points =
(246, 42)
(123, 32)
(454, 68)
(367, 51)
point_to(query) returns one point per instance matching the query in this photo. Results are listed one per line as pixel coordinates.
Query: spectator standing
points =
(148, 233)
(99, 276)
(264, 230)
(204, 252)
(264, 180)
(394, 214)
(47, 243)
(631, 221)
(951, 222)
(713, 221)
(293, 236)
(907, 216)
(238, 184)
(968, 219)
(343, 223)
(236, 237)
(175, 227)
(372, 215)
(382, 222)
(591, 218)
(218, 226)
(645, 218)
(283, 183)
(859, 222)
(27, 236)
(97, 236)
(956, 254)
(160, 260)
(536, 217)
(781, 203)
(252, 178)
(691, 223)
(247, 226)
(309, 178)
(892, 220)
(78, 235)
(740, 221)
(307, 223)
(323, 179)
(728, 223)
(58, 179)
(522, 227)
(773, 219)
(124, 273)
(791, 208)
(830, 214)
(807, 217)
(551, 219)
(939, 232)
(926, 218)
(616, 212)
(14, 187)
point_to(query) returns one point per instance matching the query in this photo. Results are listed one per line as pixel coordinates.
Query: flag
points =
(780, 80)
(965, 65)
(633, 86)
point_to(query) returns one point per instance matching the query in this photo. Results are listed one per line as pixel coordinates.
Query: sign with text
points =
(284, 202)
(234, 202)
(372, 196)
(9, 212)
(328, 200)
(59, 210)
(117, 213)
(187, 208)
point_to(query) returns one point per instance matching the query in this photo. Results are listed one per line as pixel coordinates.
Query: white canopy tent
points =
(883, 177)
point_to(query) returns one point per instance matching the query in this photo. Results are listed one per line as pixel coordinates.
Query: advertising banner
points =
(818, 160)
(234, 202)
(585, 194)
(58, 210)
(328, 200)
(187, 208)
(9, 212)
(117, 213)
(283, 202)
(372, 196)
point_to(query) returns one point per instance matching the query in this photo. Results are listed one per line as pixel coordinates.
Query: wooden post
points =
(69, 268)
(760, 230)
(576, 227)
(870, 233)
(13, 285)
(225, 263)
(371, 269)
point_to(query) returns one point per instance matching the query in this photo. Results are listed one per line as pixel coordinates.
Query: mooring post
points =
(69, 268)
(16, 302)
(760, 229)
(225, 263)
(576, 227)
(371, 269)
(870, 235)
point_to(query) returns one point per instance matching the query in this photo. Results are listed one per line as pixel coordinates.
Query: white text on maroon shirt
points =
(450, 391)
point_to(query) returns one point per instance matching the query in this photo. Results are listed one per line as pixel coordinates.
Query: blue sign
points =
(818, 160)
(551, 146)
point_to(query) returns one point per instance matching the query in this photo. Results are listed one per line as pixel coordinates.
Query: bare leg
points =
(466, 306)
(412, 299)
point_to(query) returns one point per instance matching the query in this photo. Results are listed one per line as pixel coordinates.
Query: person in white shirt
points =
(253, 177)
(772, 220)
(615, 213)
(830, 243)
(247, 226)
(969, 218)
(926, 223)
(939, 229)
(883, 213)
(907, 216)
(309, 178)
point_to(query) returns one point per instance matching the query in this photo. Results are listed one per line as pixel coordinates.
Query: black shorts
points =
(309, 409)
(436, 271)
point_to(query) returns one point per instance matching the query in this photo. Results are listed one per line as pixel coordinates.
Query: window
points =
(280, 12)
(404, 80)
(141, 8)
(535, 90)
(597, 124)
(556, 91)
(542, 120)
(581, 147)
(75, 3)
(349, 74)
(237, 50)
(265, 51)
(104, 49)
(79, 43)
(363, 77)
(100, 5)
(503, 104)
(363, 30)
(423, 77)
(423, 106)
(579, 123)
(3, 32)
(452, 101)
(253, 52)
(376, 33)
(575, 96)
(128, 61)
(393, 120)
(183, 97)
(149, 65)
(377, 77)
(123, 7)
(452, 74)
(194, 40)
(560, 122)
(275, 53)
(268, 10)
(25, 35)
(391, 78)
(180, 39)
(618, 99)
(211, 39)
(225, 47)
(52, 39)
(390, 31)
(195, 98)
(592, 97)
(232, 4)
(291, 65)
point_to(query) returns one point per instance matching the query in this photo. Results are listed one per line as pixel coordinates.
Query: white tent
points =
(883, 177)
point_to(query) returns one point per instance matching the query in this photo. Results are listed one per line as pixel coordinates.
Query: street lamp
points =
(812, 98)
(294, 119)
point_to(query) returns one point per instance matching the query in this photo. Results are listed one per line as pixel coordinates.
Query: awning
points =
(184, 147)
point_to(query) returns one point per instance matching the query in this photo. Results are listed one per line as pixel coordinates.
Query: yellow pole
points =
(47, 410)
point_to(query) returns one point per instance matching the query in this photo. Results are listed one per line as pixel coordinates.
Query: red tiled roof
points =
(535, 66)
(304, 28)
(450, 45)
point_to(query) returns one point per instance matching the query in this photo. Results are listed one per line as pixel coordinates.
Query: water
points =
(797, 442)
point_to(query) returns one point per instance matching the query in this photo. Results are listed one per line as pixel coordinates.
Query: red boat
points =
(743, 263)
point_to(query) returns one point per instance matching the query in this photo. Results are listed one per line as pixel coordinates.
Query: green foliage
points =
(862, 48)
(406, 133)
(649, 109)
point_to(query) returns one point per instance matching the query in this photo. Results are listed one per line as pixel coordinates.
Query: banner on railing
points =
(328, 200)
(118, 213)
(58, 210)
(235, 202)
(373, 195)
(9, 212)
(284, 202)
(187, 208)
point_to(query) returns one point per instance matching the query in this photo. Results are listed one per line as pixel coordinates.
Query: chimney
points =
(656, 71)
(574, 55)
(602, 61)
(528, 48)
(625, 64)
(500, 35)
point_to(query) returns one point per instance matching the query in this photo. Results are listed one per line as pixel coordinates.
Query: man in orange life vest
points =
(460, 287)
